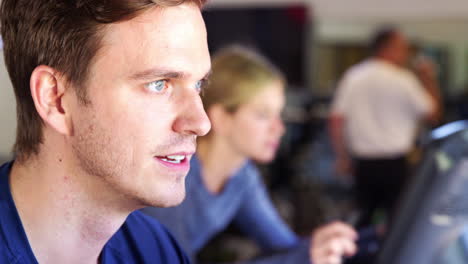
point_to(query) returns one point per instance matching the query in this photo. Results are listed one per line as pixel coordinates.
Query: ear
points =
(220, 119)
(47, 91)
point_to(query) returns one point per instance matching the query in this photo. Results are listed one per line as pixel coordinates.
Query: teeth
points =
(171, 161)
(176, 159)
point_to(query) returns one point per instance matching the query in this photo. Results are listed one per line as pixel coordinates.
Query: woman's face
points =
(256, 127)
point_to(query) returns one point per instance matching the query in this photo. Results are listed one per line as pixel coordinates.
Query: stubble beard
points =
(104, 159)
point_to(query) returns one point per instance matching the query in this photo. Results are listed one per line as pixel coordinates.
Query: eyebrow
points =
(163, 73)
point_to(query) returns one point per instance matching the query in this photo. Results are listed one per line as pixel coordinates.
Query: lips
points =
(178, 162)
(274, 145)
(175, 159)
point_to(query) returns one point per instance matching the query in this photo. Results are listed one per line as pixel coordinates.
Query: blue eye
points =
(199, 85)
(156, 86)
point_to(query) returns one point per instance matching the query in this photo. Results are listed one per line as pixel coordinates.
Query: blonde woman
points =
(244, 100)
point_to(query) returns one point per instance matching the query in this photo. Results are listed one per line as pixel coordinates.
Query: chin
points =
(168, 197)
(173, 201)
(264, 158)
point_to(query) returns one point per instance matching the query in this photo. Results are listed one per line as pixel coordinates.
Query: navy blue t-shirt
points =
(141, 239)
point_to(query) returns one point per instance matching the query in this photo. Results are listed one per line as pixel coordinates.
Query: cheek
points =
(121, 123)
(244, 128)
(259, 129)
(137, 117)
(254, 134)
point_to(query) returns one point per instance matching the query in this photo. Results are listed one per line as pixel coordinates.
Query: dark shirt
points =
(141, 239)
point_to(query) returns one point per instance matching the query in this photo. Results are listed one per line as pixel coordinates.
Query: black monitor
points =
(431, 224)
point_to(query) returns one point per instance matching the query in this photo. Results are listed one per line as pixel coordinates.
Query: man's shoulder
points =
(143, 239)
(376, 71)
(360, 72)
(9, 255)
(393, 72)
(14, 247)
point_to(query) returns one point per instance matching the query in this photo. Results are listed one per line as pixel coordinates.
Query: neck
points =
(220, 162)
(388, 59)
(65, 218)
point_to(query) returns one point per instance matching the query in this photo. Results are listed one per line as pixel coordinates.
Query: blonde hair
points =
(238, 74)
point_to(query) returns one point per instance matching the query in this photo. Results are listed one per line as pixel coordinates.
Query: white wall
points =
(7, 112)
(449, 33)
(371, 9)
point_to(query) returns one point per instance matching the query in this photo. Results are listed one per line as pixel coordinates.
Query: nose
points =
(192, 118)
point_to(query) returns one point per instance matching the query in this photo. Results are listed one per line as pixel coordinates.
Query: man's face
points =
(138, 133)
(399, 48)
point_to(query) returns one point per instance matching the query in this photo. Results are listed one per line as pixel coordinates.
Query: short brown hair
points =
(63, 34)
(382, 38)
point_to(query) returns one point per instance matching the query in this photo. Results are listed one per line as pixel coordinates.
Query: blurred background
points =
(314, 42)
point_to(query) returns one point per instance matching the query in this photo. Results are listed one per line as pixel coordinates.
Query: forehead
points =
(171, 37)
(271, 95)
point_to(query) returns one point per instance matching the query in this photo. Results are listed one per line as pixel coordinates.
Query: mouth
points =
(174, 159)
(273, 145)
(180, 162)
